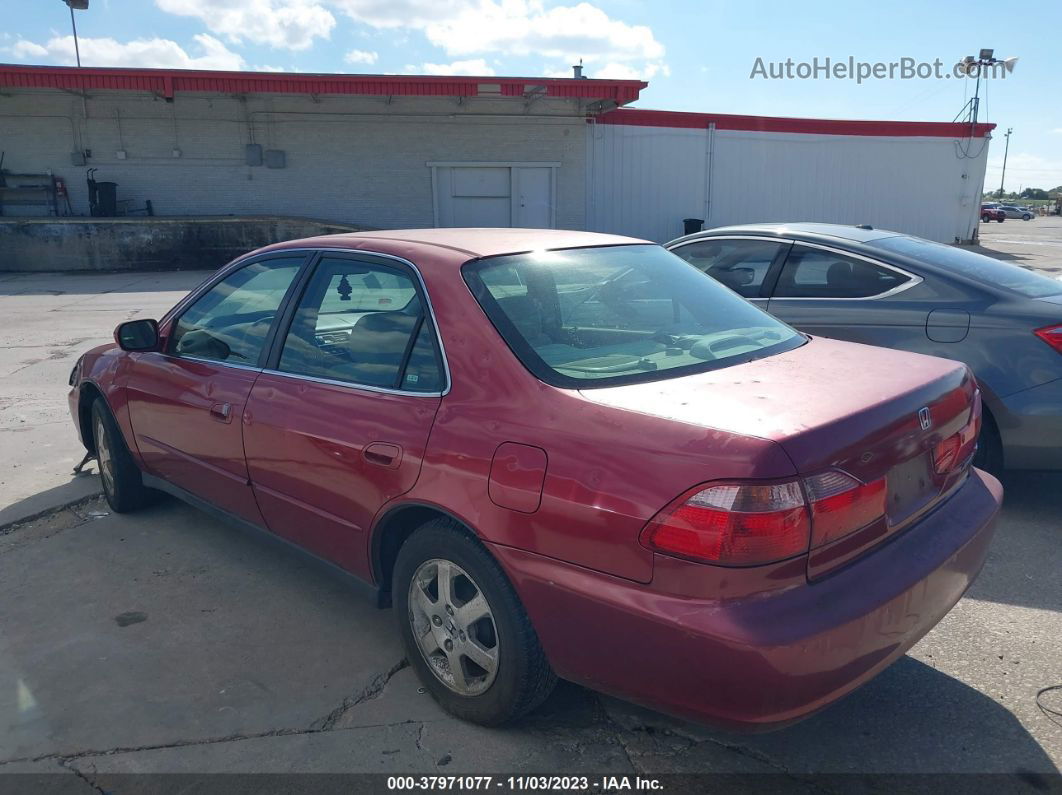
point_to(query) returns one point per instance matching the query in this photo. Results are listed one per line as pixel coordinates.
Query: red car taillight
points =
(745, 524)
(840, 504)
(1052, 335)
(735, 523)
(953, 452)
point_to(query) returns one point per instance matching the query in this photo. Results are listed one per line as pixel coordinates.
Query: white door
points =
(533, 197)
(494, 194)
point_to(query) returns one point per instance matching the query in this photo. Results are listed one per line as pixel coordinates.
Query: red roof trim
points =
(166, 82)
(637, 117)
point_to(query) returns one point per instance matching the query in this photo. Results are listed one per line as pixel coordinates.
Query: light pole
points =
(81, 5)
(1005, 150)
(985, 57)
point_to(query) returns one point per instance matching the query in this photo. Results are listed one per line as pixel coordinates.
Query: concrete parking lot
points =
(164, 641)
(1035, 244)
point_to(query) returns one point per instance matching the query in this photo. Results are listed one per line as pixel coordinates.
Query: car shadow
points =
(911, 719)
(1022, 566)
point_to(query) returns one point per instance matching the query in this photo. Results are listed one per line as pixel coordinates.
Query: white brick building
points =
(413, 151)
(380, 151)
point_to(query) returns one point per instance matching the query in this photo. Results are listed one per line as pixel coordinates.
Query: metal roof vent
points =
(578, 70)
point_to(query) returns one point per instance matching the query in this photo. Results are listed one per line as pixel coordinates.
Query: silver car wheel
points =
(454, 627)
(103, 455)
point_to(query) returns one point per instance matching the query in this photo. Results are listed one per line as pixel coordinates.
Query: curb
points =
(10, 525)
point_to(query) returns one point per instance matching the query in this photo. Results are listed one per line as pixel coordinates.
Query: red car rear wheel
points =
(465, 632)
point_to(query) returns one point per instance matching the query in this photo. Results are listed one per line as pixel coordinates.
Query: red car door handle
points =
(383, 454)
(221, 411)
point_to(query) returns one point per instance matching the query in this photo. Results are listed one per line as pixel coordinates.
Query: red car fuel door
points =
(338, 423)
(186, 402)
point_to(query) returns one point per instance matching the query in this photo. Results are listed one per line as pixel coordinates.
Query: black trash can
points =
(690, 225)
(106, 199)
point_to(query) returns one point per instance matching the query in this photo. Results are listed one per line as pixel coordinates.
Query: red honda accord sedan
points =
(561, 454)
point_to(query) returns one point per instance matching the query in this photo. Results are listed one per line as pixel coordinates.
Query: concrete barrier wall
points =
(115, 244)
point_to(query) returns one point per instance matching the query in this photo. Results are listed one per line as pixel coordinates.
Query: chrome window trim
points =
(768, 238)
(913, 278)
(201, 360)
(383, 390)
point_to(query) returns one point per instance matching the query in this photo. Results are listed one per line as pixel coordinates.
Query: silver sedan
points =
(884, 288)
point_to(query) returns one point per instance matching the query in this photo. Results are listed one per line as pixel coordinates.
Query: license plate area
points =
(911, 486)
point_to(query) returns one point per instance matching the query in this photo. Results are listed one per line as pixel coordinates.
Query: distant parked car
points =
(992, 212)
(561, 454)
(1014, 211)
(897, 291)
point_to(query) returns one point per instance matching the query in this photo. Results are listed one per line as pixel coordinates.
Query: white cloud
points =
(361, 56)
(400, 13)
(28, 49)
(284, 24)
(622, 71)
(614, 71)
(1057, 130)
(159, 53)
(525, 27)
(520, 28)
(477, 67)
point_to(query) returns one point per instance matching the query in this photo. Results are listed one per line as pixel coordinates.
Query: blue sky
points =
(696, 55)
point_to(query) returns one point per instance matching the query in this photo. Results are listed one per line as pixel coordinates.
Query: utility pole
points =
(1006, 149)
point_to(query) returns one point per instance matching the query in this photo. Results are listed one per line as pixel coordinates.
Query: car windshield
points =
(619, 314)
(972, 265)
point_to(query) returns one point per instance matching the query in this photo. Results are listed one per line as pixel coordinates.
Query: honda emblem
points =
(924, 418)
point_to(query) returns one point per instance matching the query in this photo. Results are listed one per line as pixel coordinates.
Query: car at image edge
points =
(883, 288)
(561, 454)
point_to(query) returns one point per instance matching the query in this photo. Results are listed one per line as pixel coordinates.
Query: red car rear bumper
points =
(759, 662)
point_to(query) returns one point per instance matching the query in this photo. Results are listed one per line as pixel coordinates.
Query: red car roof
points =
(466, 243)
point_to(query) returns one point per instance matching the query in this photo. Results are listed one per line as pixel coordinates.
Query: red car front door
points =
(186, 403)
(337, 425)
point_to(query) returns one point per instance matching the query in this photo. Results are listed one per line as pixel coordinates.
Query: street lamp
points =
(80, 5)
(1005, 150)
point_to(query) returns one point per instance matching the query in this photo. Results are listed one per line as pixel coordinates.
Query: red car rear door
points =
(338, 422)
(186, 402)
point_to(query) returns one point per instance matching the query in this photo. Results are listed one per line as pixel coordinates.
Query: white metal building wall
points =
(359, 160)
(643, 181)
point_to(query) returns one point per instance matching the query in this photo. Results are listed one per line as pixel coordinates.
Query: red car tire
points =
(522, 677)
(123, 485)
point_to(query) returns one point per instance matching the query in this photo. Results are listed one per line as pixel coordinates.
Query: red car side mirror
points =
(138, 335)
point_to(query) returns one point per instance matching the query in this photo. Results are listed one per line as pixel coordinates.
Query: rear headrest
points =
(839, 274)
(386, 322)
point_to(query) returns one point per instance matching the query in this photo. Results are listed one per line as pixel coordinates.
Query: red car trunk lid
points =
(870, 412)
